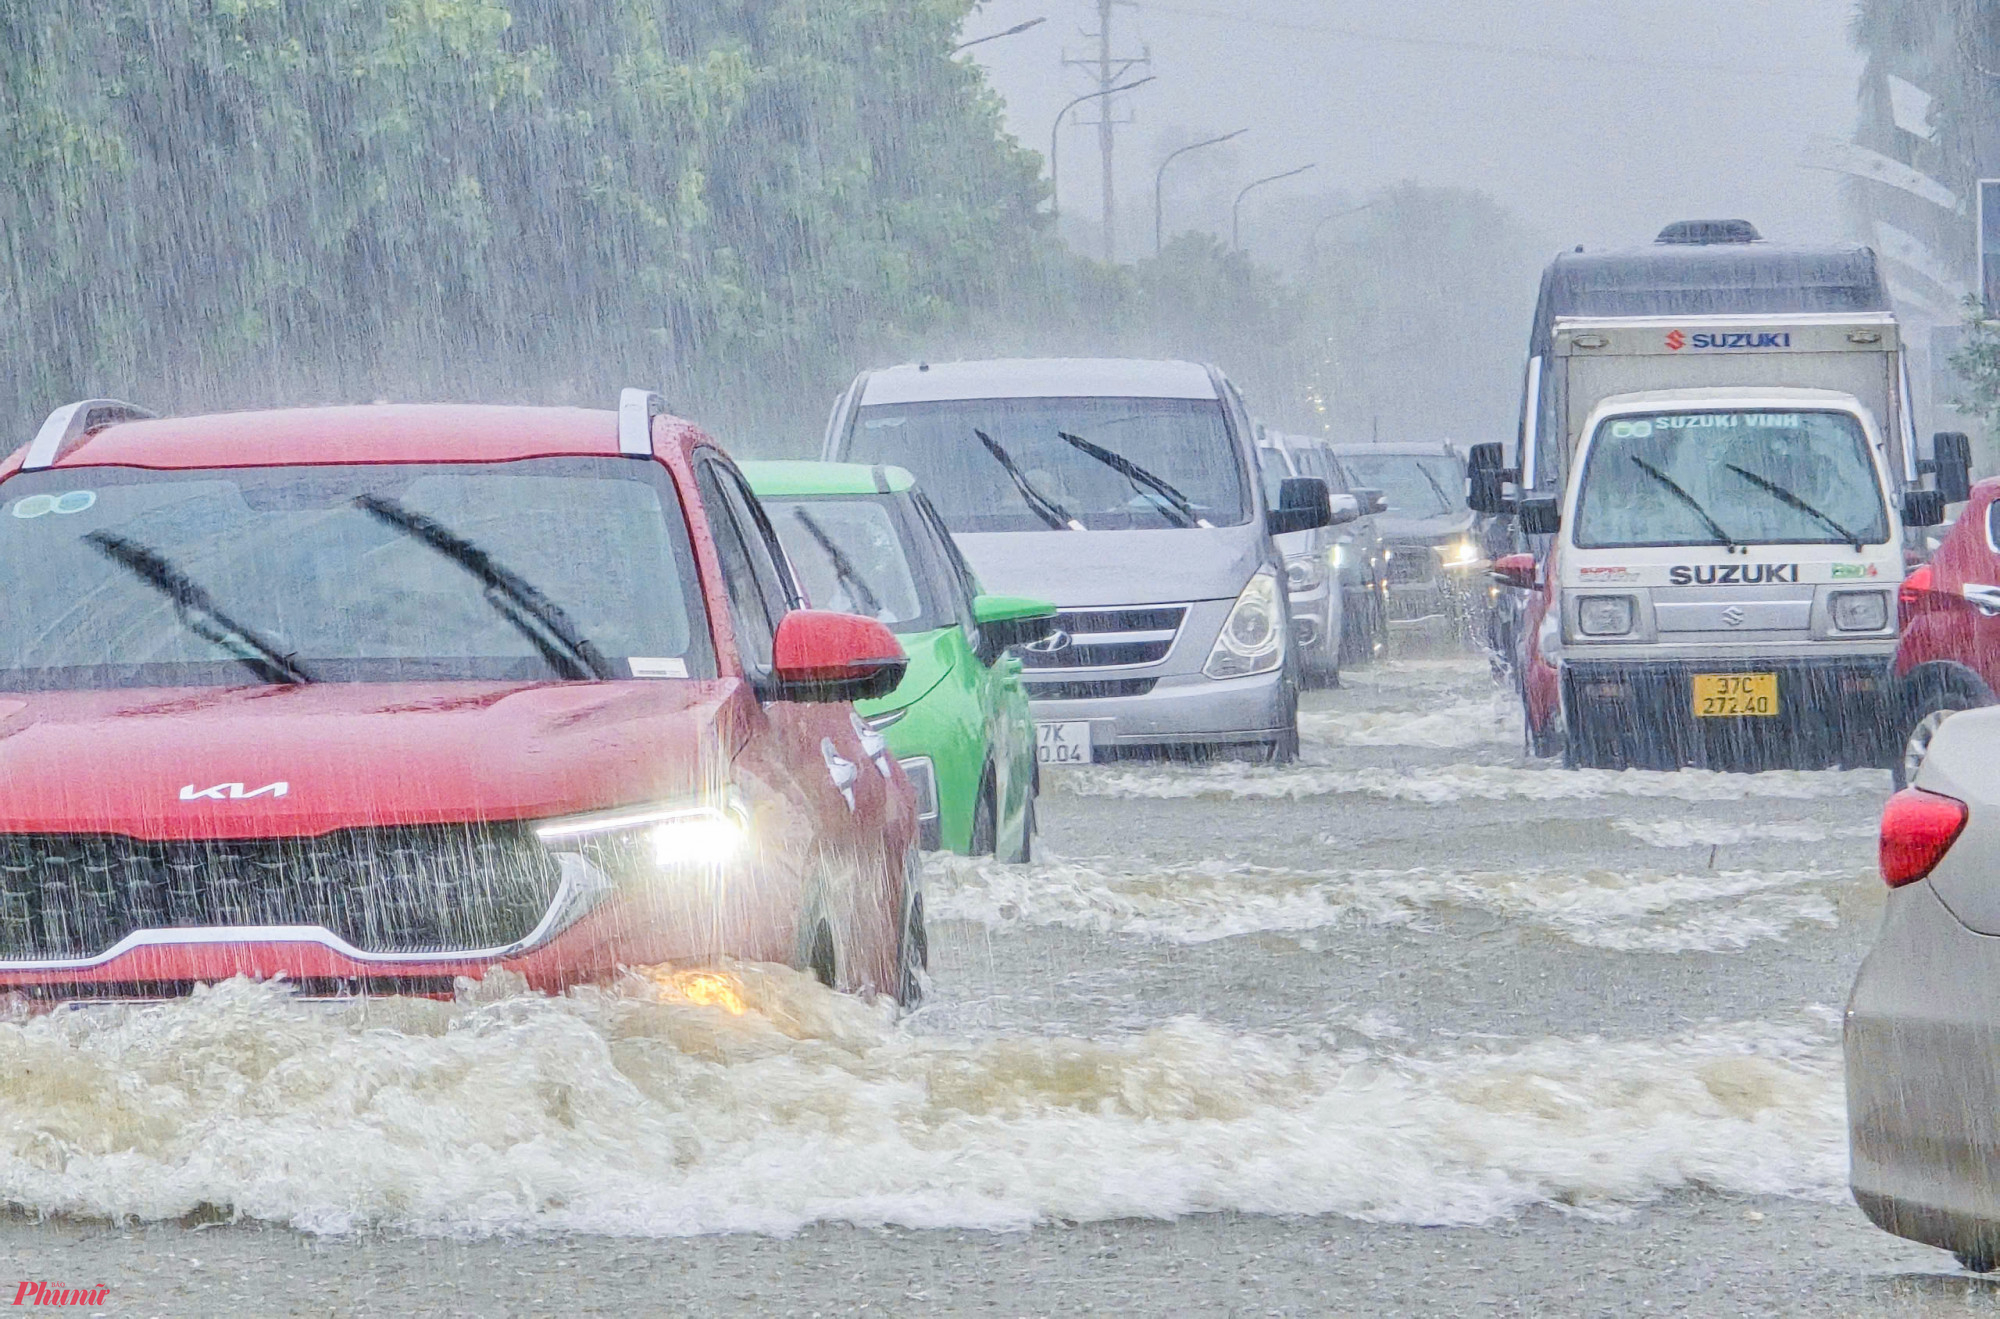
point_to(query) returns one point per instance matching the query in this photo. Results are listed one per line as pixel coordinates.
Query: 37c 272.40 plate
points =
(1734, 695)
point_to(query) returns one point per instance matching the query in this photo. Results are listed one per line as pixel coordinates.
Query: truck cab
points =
(1720, 589)
(1715, 471)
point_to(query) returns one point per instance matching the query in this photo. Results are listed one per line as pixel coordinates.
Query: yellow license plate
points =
(1729, 695)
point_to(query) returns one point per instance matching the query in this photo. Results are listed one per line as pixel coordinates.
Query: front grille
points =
(1089, 691)
(1109, 638)
(417, 889)
(1411, 564)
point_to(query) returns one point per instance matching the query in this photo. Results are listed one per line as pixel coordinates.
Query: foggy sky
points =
(1614, 131)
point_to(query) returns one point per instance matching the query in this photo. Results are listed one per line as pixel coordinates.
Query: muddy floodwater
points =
(1413, 1026)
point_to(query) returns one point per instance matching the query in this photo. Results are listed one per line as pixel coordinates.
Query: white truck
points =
(1717, 465)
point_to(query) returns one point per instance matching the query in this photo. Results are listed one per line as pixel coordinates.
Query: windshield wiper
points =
(1791, 500)
(197, 612)
(1048, 510)
(1444, 500)
(1183, 507)
(843, 567)
(532, 614)
(1674, 488)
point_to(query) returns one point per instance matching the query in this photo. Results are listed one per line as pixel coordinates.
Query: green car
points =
(864, 540)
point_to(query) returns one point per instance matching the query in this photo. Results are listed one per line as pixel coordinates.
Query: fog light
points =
(1604, 615)
(1860, 611)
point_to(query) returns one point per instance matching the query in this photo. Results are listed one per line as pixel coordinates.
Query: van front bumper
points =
(1170, 711)
(1640, 714)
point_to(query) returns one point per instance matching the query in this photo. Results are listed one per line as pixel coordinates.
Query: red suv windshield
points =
(531, 570)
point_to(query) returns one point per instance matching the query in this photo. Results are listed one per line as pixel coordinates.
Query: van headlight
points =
(669, 838)
(1605, 615)
(1252, 639)
(1303, 574)
(1860, 611)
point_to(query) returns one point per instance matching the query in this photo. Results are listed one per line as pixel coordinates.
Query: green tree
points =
(230, 202)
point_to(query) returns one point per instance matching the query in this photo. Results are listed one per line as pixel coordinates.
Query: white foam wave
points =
(621, 1113)
(1209, 900)
(1715, 833)
(1459, 724)
(1438, 785)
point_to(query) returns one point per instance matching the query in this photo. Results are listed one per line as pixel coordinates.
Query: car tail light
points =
(1918, 828)
(1911, 593)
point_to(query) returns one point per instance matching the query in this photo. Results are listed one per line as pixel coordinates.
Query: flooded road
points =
(1413, 1026)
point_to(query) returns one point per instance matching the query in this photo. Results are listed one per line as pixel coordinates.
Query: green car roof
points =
(781, 479)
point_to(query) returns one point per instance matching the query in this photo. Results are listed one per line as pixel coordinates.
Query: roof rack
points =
(71, 422)
(636, 410)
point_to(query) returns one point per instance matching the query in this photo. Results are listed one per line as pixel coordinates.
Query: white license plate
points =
(1066, 743)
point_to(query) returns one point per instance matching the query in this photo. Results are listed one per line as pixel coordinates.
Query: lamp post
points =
(1236, 210)
(995, 36)
(1312, 243)
(1159, 178)
(1055, 195)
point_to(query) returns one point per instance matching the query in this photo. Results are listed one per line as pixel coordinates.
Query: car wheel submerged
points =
(1023, 850)
(985, 830)
(1924, 715)
(821, 960)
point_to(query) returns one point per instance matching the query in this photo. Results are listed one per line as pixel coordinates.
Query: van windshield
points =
(543, 569)
(1759, 477)
(1128, 464)
(1413, 485)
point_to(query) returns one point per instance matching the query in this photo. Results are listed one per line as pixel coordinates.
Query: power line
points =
(1484, 48)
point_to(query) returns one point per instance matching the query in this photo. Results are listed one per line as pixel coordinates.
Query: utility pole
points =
(1107, 69)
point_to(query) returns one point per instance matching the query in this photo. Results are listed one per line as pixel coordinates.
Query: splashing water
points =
(637, 1110)
(1439, 785)
(1204, 901)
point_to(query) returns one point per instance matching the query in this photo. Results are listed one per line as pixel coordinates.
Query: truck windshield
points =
(1762, 477)
(543, 569)
(1413, 485)
(1180, 467)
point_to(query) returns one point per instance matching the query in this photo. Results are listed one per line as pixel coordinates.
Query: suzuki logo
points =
(1054, 643)
(233, 792)
(1676, 340)
(1734, 616)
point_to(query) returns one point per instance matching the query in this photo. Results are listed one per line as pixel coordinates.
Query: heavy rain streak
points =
(906, 656)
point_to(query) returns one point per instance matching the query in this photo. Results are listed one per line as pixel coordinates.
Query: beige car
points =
(1923, 1023)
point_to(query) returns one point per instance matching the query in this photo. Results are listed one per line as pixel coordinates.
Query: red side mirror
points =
(823, 656)
(1516, 570)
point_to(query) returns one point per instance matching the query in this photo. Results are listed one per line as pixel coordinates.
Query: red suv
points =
(1949, 657)
(374, 698)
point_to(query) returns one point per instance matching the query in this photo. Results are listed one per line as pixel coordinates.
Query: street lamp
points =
(1055, 195)
(1236, 210)
(1015, 30)
(1312, 243)
(1159, 176)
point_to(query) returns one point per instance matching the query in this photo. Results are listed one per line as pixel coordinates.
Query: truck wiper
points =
(843, 567)
(1444, 500)
(1791, 500)
(1674, 488)
(531, 613)
(198, 612)
(1048, 510)
(1183, 507)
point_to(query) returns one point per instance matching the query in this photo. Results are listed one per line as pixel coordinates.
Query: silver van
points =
(1126, 492)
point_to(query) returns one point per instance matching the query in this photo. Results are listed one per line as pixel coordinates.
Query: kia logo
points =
(1054, 643)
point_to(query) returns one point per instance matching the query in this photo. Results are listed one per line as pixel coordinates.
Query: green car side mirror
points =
(1006, 621)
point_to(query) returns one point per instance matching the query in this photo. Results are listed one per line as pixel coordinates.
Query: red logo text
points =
(49, 1293)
